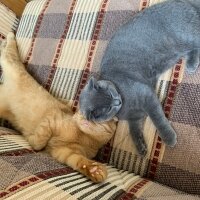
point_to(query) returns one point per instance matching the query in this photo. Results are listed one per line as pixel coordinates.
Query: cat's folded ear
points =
(91, 83)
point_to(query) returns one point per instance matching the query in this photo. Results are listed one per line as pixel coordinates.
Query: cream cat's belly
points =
(30, 104)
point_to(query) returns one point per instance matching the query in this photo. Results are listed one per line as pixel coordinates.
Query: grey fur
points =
(138, 53)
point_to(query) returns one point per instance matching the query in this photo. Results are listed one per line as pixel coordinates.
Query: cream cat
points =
(47, 122)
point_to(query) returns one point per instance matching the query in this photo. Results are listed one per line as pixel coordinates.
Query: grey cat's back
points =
(172, 17)
(173, 29)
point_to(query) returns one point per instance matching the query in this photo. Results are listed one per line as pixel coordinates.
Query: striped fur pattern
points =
(63, 43)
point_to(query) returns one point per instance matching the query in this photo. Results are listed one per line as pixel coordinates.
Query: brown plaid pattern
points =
(62, 42)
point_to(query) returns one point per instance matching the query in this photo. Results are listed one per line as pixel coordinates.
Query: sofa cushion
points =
(62, 42)
(26, 174)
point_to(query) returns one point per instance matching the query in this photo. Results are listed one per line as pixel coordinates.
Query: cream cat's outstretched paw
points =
(93, 170)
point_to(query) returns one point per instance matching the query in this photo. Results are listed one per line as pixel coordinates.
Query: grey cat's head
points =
(99, 100)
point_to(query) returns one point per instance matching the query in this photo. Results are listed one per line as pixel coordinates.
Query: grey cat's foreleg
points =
(155, 112)
(193, 60)
(135, 128)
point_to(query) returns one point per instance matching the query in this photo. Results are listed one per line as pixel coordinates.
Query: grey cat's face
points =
(99, 100)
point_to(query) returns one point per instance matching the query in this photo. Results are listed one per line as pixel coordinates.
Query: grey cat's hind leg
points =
(135, 127)
(193, 60)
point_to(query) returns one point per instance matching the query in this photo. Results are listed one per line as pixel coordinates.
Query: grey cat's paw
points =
(192, 69)
(171, 140)
(193, 61)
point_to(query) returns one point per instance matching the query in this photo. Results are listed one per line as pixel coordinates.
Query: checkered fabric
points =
(63, 41)
(26, 174)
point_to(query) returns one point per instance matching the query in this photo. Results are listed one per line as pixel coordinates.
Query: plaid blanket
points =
(63, 41)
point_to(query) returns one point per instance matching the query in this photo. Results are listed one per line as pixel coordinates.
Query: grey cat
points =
(138, 53)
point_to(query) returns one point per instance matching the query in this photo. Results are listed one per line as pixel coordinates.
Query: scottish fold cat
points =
(139, 52)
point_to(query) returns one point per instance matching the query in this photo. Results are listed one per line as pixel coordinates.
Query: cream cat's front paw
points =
(95, 171)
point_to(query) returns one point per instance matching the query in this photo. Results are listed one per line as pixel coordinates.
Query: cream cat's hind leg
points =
(8, 49)
(10, 61)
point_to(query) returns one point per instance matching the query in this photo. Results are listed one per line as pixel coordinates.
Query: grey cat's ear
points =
(92, 83)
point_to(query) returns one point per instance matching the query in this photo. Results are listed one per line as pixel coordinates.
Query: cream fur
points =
(47, 122)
